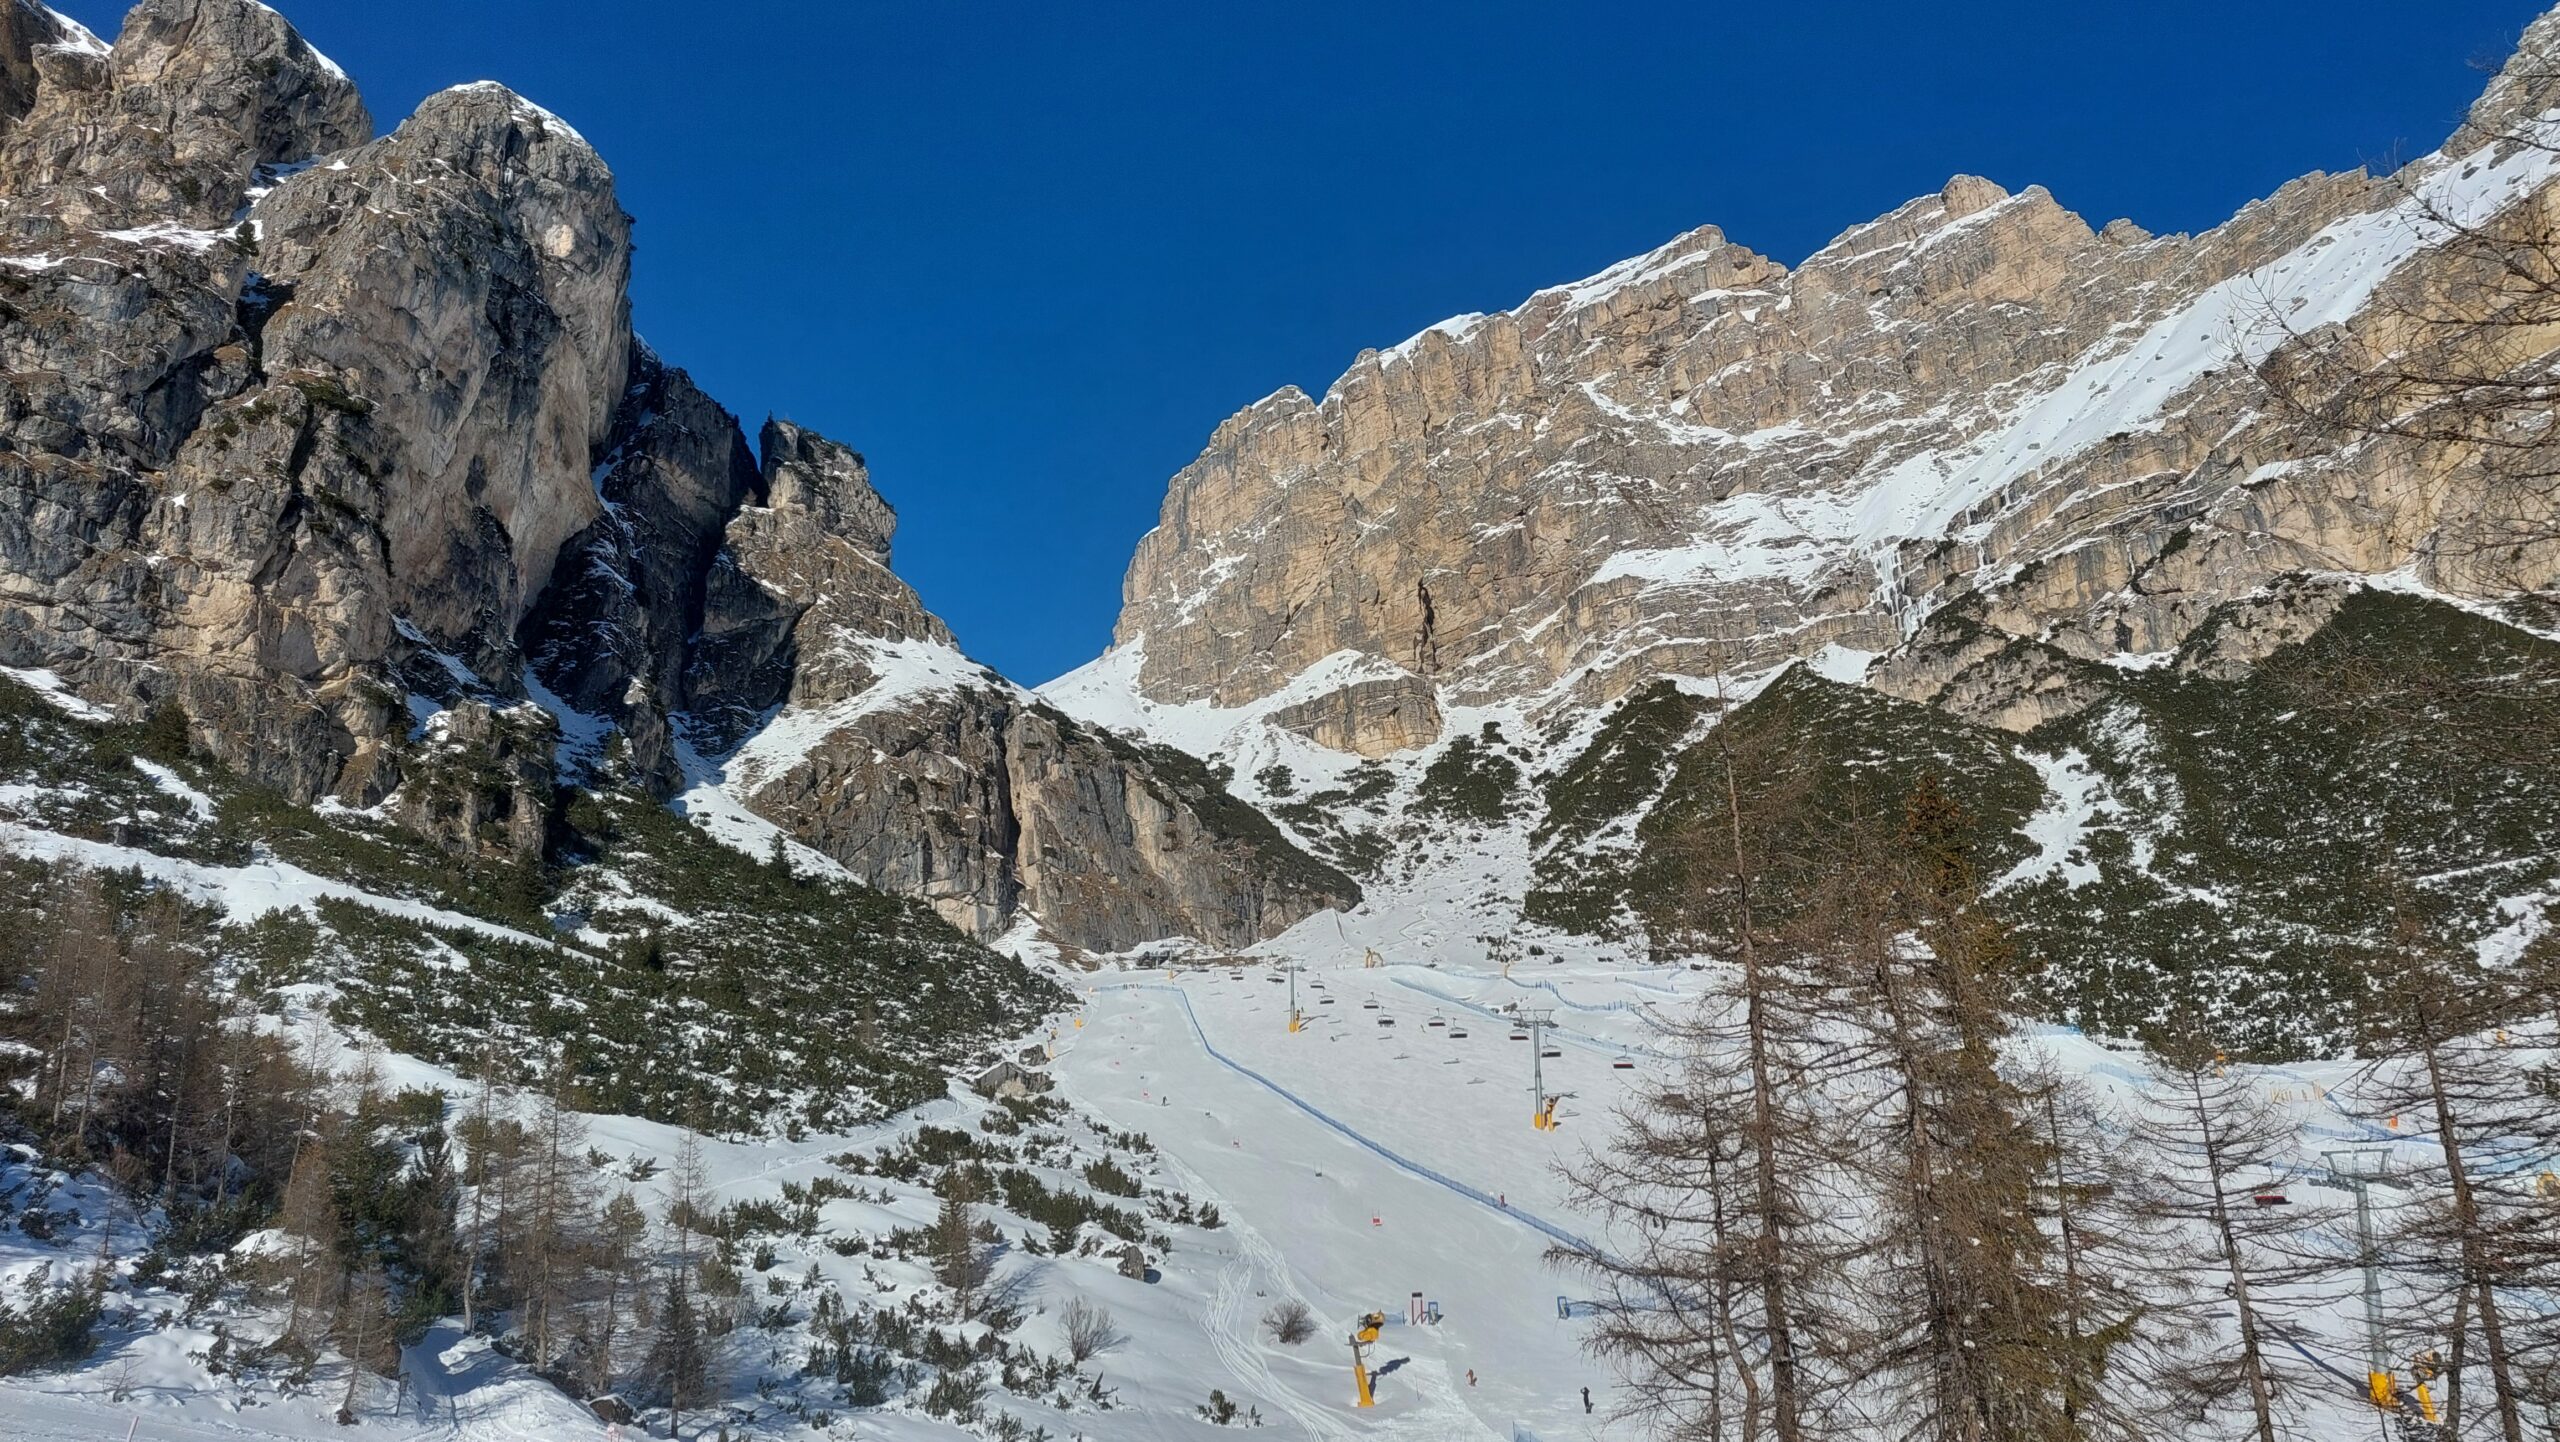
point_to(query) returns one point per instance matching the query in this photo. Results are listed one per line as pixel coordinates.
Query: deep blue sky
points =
(1026, 256)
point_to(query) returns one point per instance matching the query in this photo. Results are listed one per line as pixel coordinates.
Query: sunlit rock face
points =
(1701, 461)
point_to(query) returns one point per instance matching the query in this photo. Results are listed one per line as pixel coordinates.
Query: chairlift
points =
(1437, 1021)
(1624, 1063)
(1368, 1006)
(1324, 1001)
(2272, 1199)
(1519, 1036)
(1457, 1033)
(1386, 1021)
(1551, 1052)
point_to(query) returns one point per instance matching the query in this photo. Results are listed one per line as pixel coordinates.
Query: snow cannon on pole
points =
(1361, 1336)
(1542, 1108)
(2358, 1170)
(1297, 1018)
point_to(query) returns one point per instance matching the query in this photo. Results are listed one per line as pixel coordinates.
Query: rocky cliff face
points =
(1701, 461)
(344, 448)
(924, 773)
(1463, 623)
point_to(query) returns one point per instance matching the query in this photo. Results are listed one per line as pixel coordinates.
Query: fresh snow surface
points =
(76, 37)
(527, 110)
(2075, 796)
(52, 688)
(244, 893)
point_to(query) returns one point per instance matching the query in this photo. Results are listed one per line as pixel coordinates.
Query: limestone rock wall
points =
(1703, 461)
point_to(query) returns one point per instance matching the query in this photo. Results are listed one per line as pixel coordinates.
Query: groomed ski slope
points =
(1353, 1162)
(1370, 1162)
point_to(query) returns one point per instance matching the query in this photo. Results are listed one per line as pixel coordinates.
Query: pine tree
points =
(620, 1271)
(680, 1361)
(960, 1261)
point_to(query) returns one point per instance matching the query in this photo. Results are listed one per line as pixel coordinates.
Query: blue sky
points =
(1026, 256)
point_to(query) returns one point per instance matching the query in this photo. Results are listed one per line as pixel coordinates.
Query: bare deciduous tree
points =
(1290, 1322)
(1090, 1331)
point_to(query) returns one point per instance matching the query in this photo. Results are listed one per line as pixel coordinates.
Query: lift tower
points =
(2360, 1170)
(1542, 1106)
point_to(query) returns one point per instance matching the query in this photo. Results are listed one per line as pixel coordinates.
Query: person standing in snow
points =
(1586, 1400)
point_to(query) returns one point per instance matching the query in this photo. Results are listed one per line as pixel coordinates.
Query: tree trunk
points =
(1768, 1244)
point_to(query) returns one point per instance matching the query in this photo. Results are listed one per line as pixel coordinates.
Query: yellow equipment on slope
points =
(1361, 1337)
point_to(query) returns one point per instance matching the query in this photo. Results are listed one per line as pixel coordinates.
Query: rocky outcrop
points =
(28, 29)
(1376, 717)
(800, 600)
(300, 476)
(613, 634)
(1123, 844)
(483, 315)
(848, 716)
(172, 127)
(344, 447)
(992, 806)
(1703, 462)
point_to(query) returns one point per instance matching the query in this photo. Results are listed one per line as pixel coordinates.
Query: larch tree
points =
(1984, 1328)
(1729, 1182)
(2211, 1142)
(2446, 1062)
(621, 1269)
(313, 1268)
(554, 1227)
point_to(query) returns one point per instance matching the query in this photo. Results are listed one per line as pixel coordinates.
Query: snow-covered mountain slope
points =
(1701, 461)
(2046, 496)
